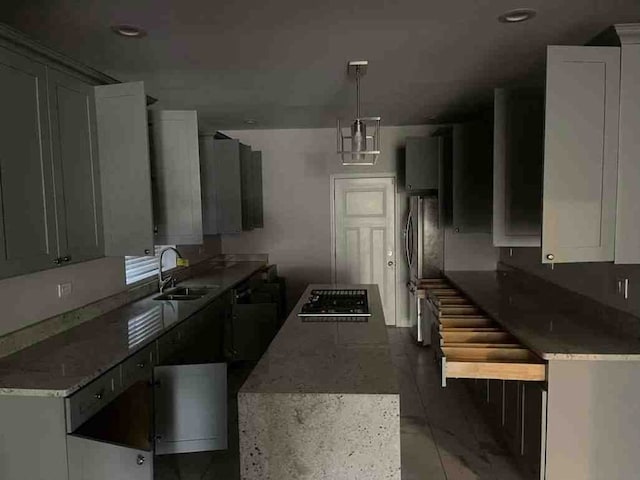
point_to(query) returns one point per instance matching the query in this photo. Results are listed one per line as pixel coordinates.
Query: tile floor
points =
(443, 435)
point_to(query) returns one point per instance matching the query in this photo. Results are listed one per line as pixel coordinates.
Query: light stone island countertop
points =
(323, 402)
(64, 363)
(328, 357)
(551, 326)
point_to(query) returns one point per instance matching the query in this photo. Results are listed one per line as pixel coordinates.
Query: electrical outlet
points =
(64, 290)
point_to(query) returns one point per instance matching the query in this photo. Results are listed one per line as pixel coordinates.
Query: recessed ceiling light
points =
(250, 121)
(517, 16)
(129, 31)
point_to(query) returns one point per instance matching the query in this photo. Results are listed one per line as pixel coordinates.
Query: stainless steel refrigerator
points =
(424, 254)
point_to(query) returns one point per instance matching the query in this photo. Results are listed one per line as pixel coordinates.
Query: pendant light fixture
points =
(360, 148)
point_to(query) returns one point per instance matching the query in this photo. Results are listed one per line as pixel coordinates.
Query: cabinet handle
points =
(99, 395)
(147, 251)
(57, 261)
(141, 365)
(550, 256)
(140, 460)
(67, 258)
(409, 186)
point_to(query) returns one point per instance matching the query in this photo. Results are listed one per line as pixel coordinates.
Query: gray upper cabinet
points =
(257, 207)
(580, 154)
(221, 185)
(28, 227)
(175, 164)
(76, 167)
(472, 177)
(123, 142)
(246, 184)
(518, 144)
(421, 164)
(627, 248)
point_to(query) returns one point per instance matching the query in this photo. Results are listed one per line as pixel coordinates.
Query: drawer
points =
(475, 335)
(497, 363)
(138, 367)
(465, 321)
(448, 310)
(450, 300)
(85, 403)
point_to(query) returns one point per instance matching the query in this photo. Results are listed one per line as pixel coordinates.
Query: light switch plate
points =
(64, 290)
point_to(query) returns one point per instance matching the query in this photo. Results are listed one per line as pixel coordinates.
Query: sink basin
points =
(185, 293)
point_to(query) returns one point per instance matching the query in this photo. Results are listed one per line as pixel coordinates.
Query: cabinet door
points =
(512, 424)
(472, 177)
(221, 185)
(115, 443)
(518, 141)
(190, 408)
(580, 155)
(627, 248)
(125, 175)
(256, 181)
(421, 164)
(253, 326)
(533, 428)
(176, 177)
(245, 178)
(28, 230)
(76, 168)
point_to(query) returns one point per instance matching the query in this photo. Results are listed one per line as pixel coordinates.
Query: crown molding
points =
(629, 33)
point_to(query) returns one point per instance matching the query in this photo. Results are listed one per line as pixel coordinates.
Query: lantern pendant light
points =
(362, 149)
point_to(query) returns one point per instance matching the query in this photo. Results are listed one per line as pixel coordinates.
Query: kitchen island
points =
(323, 402)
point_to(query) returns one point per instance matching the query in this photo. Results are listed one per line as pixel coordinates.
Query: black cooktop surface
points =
(336, 303)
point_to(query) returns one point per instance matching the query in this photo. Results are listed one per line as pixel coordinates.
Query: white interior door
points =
(364, 227)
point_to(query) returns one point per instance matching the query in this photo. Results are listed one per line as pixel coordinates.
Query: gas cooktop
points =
(334, 304)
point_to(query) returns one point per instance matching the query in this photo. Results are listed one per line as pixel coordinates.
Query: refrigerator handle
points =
(407, 235)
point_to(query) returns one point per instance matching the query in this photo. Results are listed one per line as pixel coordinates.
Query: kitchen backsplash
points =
(598, 281)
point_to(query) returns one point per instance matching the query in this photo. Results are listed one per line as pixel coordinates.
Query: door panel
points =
(27, 231)
(580, 159)
(176, 177)
(365, 236)
(190, 408)
(75, 156)
(123, 140)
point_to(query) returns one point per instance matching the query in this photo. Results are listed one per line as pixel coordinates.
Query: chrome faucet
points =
(162, 283)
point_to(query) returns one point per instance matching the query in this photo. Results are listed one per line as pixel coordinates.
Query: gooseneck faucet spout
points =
(162, 283)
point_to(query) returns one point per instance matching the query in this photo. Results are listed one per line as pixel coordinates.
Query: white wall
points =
(297, 165)
(31, 298)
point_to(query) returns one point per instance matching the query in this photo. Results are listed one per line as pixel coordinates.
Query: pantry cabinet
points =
(221, 185)
(175, 163)
(246, 184)
(28, 239)
(76, 167)
(580, 154)
(518, 140)
(123, 142)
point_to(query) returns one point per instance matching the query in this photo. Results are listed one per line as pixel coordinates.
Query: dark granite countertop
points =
(64, 363)
(553, 322)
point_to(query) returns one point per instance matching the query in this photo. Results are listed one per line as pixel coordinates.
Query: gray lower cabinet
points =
(518, 141)
(472, 177)
(421, 164)
(28, 228)
(580, 154)
(221, 185)
(175, 163)
(76, 167)
(123, 143)
(253, 326)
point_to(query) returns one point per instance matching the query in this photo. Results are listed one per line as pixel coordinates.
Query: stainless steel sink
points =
(185, 293)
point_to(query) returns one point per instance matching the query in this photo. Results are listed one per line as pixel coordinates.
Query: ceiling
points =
(283, 62)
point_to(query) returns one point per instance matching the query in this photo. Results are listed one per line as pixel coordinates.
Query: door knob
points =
(390, 263)
(140, 460)
(550, 256)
